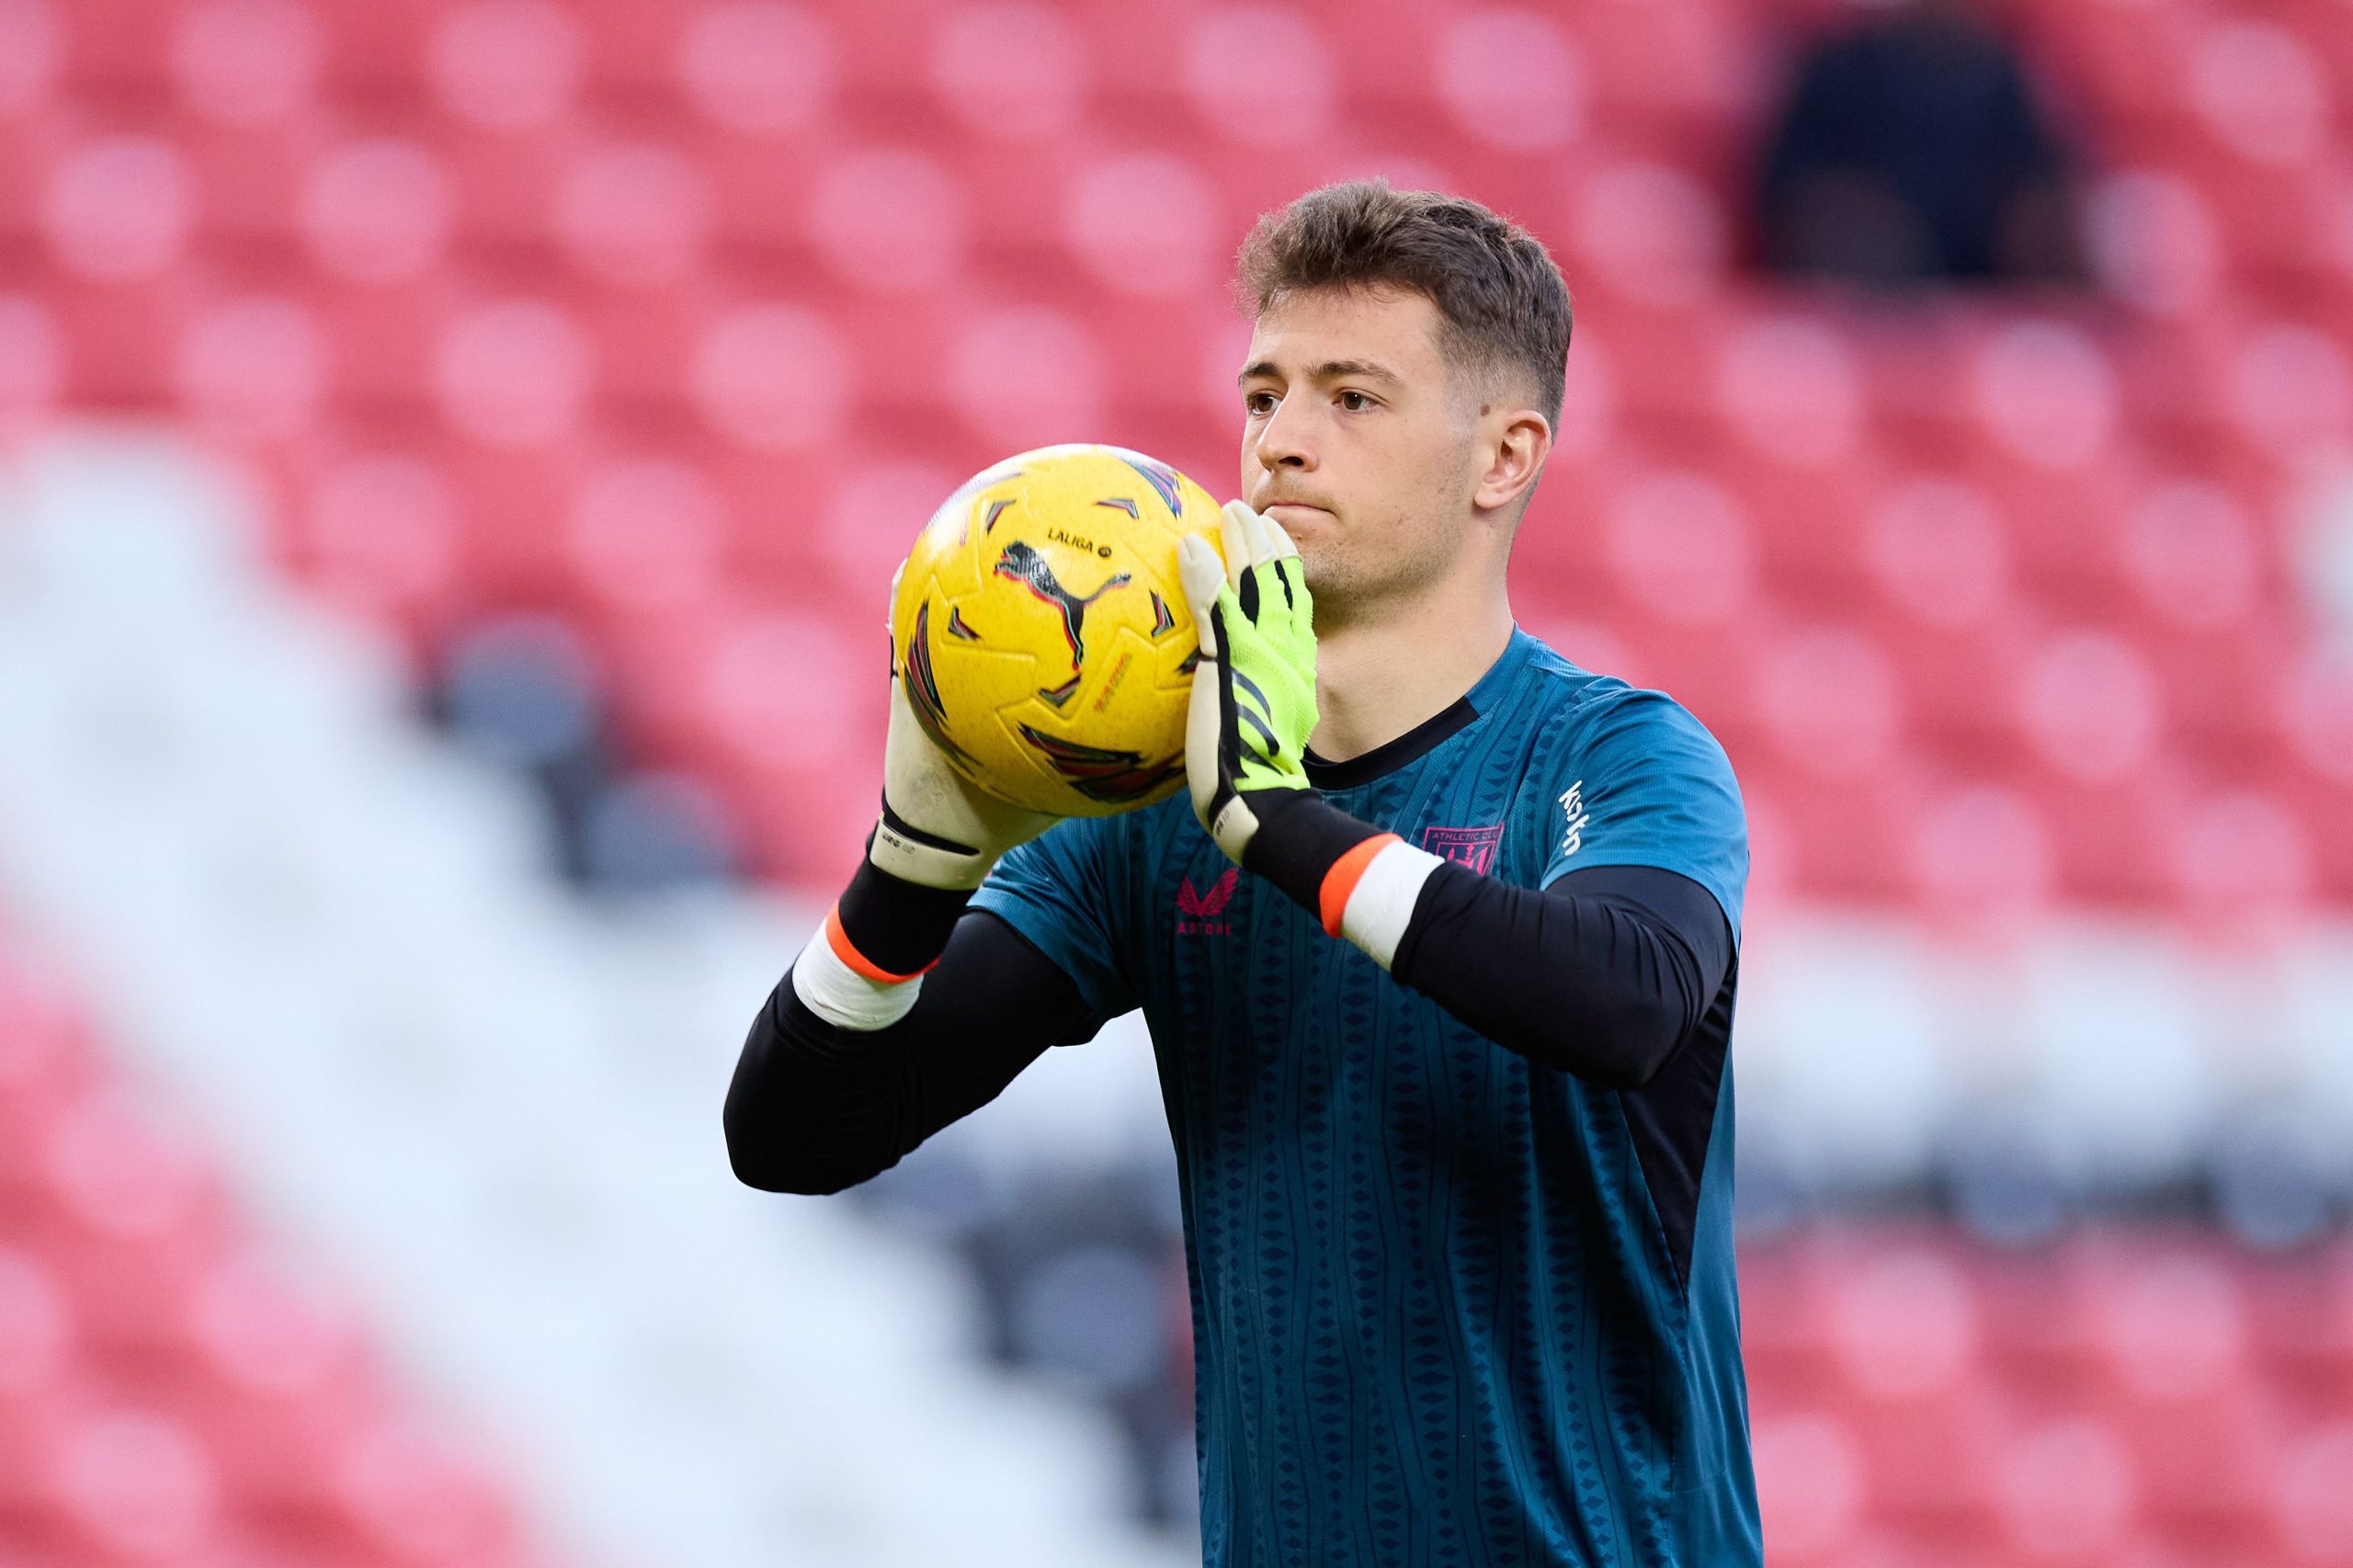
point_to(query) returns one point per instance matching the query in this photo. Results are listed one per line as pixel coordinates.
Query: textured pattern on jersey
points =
(1436, 1317)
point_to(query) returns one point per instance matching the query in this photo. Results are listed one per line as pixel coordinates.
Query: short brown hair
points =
(1503, 299)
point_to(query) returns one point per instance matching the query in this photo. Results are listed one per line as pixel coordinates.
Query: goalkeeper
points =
(1446, 1066)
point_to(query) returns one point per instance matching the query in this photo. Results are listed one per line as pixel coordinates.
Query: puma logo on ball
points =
(1021, 562)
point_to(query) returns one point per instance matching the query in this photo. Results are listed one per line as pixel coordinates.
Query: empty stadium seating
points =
(626, 311)
(170, 1389)
(2138, 1396)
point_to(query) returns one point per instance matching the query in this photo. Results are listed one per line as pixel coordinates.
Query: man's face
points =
(1356, 444)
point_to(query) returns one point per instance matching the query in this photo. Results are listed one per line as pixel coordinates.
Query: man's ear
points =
(1516, 441)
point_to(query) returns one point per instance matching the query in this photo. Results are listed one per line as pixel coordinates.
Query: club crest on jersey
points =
(1469, 847)
(1201, 913)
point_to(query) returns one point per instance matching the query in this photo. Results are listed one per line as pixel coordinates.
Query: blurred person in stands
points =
(1913, 149)
(1438, 966)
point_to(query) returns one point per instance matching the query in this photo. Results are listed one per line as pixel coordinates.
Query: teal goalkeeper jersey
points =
(1450, 1306)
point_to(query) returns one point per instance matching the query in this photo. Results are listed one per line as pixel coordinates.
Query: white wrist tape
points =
(845, 998)
(1381, 904)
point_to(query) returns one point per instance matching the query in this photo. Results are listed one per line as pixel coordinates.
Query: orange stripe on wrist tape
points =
(1341, 880)
(838, 940)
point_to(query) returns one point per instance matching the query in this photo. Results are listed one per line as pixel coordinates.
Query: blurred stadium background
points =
(454, 452)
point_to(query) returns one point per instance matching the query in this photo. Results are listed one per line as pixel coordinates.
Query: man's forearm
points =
(1603, 975)
(815, 1107)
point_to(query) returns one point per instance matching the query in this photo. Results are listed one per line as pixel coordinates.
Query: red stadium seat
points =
(1680, 75)
(516, 372)
(119, 207)
(1647, 233)
(1813, 527)
(38, 1337)
(632, 53)
(1979, 859)
(1679, 549)
(1146, 224)
(506, 65)
(2157, 242)
(1028, 376)
(635, 214)
(1513, 81)
(647, 534)
(247, 63)
(2112, 837)
(2240, 858)
(1810, 1479)
(2044, 393)
(503, 181)
(414, 1496)
(2291, 389)
(2258, 92)
(376, 210)
(1903, 1323)
(255, 370)
(891, 219)
(1935, 551)
(647, 343)
(2192, 556)
(849, 540)
(32, 49)
(130, 1483)
(513, 497)
(1793, 389)
(117, 48)
(1931, 1464)
(382, 533)
(2312, 1516)
(2133, 69)
(2068, 1491)
(2090, 707)
(1015, 71)
(1263, 77)
(1829, 700)
(772, 376)
(1847, 839)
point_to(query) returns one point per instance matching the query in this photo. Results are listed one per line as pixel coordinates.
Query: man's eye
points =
(1259, 402)
(1355, 402)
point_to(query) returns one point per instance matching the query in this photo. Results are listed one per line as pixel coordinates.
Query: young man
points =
(1445, 1057)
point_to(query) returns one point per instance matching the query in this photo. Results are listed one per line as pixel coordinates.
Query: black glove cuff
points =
(897, 925)
(1301, 836)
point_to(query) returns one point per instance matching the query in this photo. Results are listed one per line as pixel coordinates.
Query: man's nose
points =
(1283, 440)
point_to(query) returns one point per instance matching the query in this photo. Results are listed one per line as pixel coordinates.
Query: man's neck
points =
(1377, 675)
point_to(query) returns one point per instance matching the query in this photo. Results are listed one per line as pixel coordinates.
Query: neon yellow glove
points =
(1254, 690)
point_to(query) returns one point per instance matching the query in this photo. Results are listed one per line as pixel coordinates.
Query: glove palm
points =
(938, 828)
(1253, 703)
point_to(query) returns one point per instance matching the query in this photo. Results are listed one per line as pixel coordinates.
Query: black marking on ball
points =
(1022, 562)
(922, 688)
(1099, 773)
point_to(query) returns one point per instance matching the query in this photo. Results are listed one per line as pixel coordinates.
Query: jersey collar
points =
(1427, 736)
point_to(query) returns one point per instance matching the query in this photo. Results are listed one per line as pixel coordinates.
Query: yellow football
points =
(1041, 634)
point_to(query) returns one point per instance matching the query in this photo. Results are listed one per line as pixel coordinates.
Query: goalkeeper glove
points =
(1252, 710)
(938, 829)
(936, 840)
